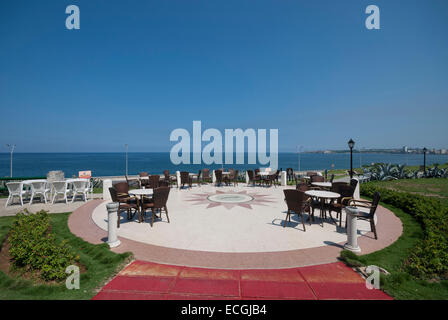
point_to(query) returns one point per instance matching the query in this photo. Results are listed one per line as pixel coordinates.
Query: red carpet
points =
(145, 280)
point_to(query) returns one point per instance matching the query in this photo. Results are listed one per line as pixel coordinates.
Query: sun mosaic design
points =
(231, 199)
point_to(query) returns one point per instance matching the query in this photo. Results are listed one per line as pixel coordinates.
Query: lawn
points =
(400, 284)
(100, 262)
(433, 187)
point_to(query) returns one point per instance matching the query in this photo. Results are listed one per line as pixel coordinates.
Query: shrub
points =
(34, 247)
(429, 258)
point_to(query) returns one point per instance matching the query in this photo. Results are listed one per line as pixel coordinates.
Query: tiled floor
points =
(151, 281)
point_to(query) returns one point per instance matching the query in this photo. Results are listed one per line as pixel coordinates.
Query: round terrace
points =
(232, 227)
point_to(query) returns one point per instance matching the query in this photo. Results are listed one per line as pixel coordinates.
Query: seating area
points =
(29, 191)
(208, 205)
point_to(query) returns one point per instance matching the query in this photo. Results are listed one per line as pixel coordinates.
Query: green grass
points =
(432, 187)
(400, 284)
(100, 262)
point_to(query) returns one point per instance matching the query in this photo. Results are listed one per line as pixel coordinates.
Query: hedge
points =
(33, 247)
(429, 258)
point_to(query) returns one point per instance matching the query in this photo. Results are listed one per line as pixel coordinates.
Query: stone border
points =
(389, 229)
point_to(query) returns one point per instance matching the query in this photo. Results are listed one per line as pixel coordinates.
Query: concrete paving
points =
(230, 219)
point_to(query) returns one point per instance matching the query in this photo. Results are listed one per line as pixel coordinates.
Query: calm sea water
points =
(109, 164)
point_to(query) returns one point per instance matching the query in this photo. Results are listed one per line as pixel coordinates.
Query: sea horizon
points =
(36, 164)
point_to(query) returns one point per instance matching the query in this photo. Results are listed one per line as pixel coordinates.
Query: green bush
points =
(34, 247)
(429, 258)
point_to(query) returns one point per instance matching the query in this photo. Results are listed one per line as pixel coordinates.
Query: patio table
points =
(142, 193)
(323, 196)
(322, 184)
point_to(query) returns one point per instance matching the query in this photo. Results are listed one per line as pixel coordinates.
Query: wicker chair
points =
(154, 181)
(369, 216)
(159, 200)
(143, 182)
(297, 203)
(234, 177)
(168, 178)
(317, 178)
(124, 203)
(252, 178)
(346, 191)
(302, 186)
(205, 176)
(218, 176)
(354, 183)
(185, 179)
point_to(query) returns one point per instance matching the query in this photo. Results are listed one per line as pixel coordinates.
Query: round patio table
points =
(142, 193)
(323, 196)
(322, 184)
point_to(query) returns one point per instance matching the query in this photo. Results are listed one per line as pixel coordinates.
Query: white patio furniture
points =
(39, 188)
(90, 187)
(80, 187)
(15, 189)
(60, 188)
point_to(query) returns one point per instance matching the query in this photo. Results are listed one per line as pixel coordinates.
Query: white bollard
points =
(213, 177)
(178, 178)
(283, 178)
(352, 229)
(106, 185)
(112, 218)
(247, 178)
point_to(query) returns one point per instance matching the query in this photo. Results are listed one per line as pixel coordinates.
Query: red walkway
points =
(145, 280)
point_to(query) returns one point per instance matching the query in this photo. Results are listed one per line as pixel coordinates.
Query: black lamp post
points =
(351, 144)
(424, 160)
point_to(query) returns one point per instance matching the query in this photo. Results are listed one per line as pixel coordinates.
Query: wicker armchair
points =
(158, 203)
(124, 203)
(369, 216)
(297, 203)
(185, 179)
(218, 176)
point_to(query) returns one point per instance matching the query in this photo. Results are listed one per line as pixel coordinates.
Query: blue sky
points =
(136, 70)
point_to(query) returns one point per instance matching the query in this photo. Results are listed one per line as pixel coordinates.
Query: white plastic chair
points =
(90, 187)
(80, 187)
(39, 188)
(15, 189)
(60, 188)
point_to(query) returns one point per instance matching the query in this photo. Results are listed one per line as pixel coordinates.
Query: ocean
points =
(111, 164)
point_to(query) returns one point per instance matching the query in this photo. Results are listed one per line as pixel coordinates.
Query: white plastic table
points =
(322, 196)
(142, 193)
(322, 184)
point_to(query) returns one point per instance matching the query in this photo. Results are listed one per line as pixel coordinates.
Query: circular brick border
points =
(389, 229)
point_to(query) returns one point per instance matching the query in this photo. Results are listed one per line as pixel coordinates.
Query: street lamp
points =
(351, 144)
(126, 146)
(424, 160)
(11, 147)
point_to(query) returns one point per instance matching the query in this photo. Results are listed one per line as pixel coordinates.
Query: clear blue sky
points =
(136, 70)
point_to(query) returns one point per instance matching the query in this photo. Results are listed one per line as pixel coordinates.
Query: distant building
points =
(405, 149)
(443, 151)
